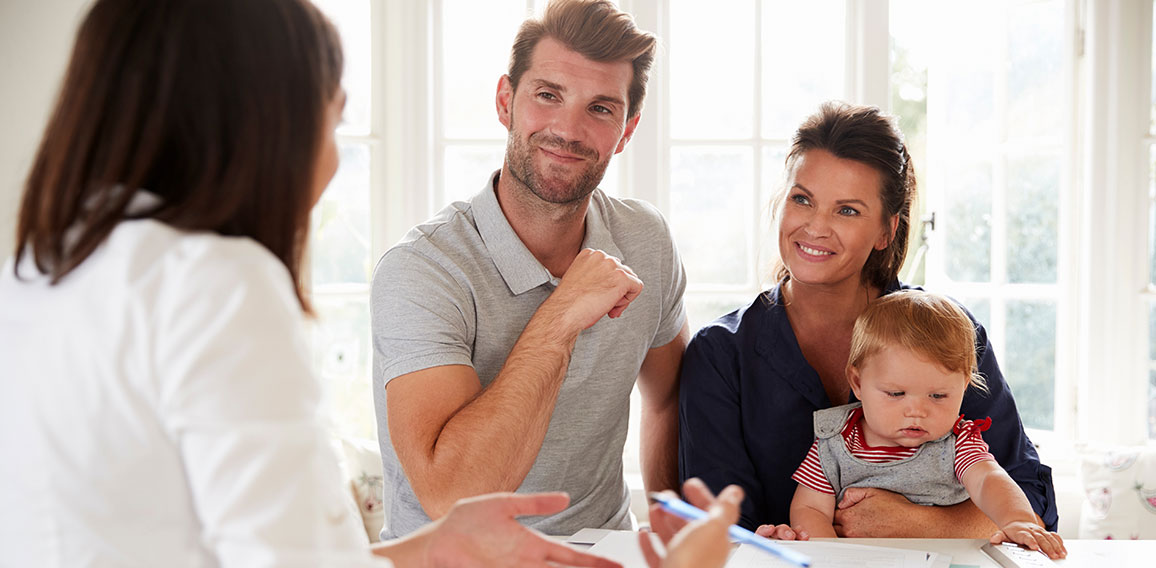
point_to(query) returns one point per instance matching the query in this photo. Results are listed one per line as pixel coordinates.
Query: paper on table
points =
(836, 555)
(942, 561)
(588, 536)
(621, 547)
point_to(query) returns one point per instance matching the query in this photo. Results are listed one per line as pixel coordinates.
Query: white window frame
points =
(998, 291)
(1102, 323)
(1112, 327)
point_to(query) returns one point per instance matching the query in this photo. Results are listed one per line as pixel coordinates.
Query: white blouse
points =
(157, 409)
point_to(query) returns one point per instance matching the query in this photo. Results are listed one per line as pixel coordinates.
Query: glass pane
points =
(767, 233)
(610, 179)
(352, 18)
(803, 60)
(475, 41)
(710, 189)
(341, 239)
(1033, 200)
(1152, 243)
(967, 221)
(910, 36)
(341, 356)
(1152, 214)
(1152, 330)
(1152, 90)
(1030, 361)
(1152, 403)
(1035, 76)
(712, 69)
(467, 170)
(963, 70)
(774, 171)
(980, 309)
(702, 309)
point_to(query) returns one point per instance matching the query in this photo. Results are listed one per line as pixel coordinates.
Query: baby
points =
(912, 357)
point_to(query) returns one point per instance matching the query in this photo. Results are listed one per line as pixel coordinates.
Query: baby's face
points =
(907, 400)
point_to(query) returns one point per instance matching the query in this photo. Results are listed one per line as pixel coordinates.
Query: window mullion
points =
(868, 59)
(645, 162)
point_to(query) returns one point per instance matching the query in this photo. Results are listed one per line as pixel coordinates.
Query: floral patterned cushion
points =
(363, 470)
(1119, 493)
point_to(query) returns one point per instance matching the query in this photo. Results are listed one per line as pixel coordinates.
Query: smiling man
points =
(510, 329)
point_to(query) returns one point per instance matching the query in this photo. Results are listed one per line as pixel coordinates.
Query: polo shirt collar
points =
(598, 235)
(517, 265)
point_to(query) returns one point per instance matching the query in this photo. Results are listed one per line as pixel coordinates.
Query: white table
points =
(1082, 553)
(967, 553)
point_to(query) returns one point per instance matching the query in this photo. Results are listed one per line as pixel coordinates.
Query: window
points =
(990, 119)
(727, 113)
(1005, 110)
(341, 253)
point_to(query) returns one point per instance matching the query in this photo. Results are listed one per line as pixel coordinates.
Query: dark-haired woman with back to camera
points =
(156, 402)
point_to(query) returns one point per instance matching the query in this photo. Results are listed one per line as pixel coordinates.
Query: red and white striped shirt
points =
(969, 449)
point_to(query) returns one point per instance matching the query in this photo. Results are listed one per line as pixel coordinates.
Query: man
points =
(509, 330)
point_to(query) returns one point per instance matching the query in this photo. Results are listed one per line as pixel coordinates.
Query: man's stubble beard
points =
(520, 159)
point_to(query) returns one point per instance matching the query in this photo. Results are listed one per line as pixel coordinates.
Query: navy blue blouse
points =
(746, 399)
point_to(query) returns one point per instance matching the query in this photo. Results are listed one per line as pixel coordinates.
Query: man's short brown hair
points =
(596, 29)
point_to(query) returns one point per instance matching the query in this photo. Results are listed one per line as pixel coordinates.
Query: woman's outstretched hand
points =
(483, 531)
(703, 543)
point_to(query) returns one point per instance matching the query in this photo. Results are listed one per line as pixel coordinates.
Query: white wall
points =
(35, 42)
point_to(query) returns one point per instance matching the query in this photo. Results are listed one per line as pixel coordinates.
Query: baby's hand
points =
(1032, 536)
(782, 532)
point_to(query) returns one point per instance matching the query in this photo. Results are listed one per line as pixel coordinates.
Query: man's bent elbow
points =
(435, 503)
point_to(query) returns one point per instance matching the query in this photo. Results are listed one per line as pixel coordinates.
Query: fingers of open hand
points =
(664, 524)
(1058, 544)
(653, 559)
(1033, 537)
(559, 554)
(1052, 545)
(1037, 538)
(726, 505)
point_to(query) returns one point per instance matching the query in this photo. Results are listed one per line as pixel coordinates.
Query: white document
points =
(837, 555)
(588, 536)
(622, 547)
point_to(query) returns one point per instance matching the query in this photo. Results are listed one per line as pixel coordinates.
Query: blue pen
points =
(692, 513)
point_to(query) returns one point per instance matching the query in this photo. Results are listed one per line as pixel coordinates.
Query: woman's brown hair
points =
(866, 135)
(215, 106)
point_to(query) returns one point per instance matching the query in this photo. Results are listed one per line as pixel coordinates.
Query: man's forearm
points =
(659, 447)
(491, 442)
(658, 384)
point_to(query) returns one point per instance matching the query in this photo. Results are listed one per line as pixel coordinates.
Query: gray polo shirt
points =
(459, 289)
